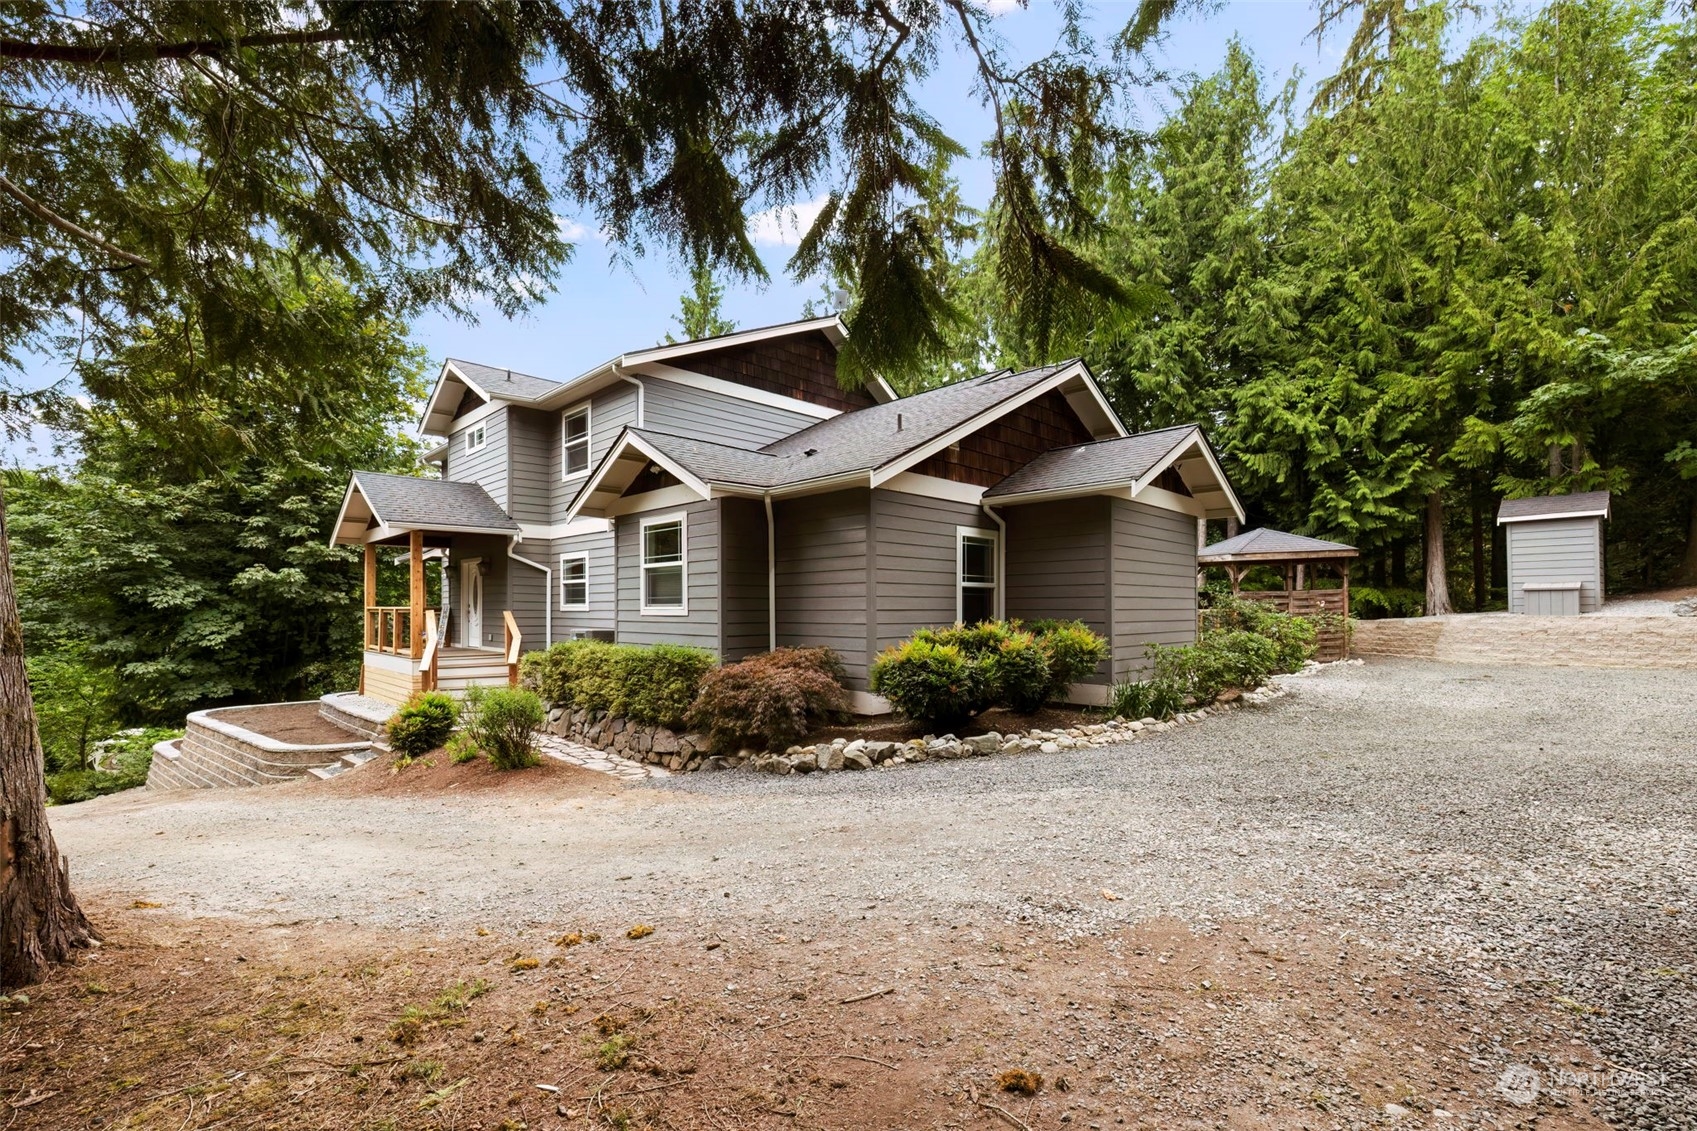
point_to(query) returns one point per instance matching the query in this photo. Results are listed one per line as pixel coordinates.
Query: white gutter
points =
(771, 577)
(1001, 562)
(548, 599)
(618, 371)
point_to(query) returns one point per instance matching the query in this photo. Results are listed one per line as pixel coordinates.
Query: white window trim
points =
(994, 537)
(578, 557)
(682, 519)
(588, 441)
(476, 439)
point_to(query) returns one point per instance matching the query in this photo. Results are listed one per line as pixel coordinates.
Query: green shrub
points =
(1293, 637)
(1073, 651)
(1371, 603)
(652, 684)
(1019, 671)
(1151, 699)
(771, 700)
(502, 722)
(931, 682)
(131, 754)
(423, 724)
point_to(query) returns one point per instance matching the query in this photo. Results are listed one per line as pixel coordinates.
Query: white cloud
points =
(784, 225)
(572, 231)
(999, 7)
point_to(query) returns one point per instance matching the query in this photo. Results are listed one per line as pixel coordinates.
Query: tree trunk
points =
(1437, 577)
(1481, 570)
(1688, 572)
(40, 920)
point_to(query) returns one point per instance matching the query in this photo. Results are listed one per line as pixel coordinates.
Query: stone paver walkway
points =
(601, 761)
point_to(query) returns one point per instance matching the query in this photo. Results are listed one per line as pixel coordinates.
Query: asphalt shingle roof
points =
(1265, 541)
(719, 463)
(438, 504)
(1554, 506)
(504, 384)
(1093, 465)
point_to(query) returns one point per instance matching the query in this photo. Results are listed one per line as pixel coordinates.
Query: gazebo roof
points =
(1265, 545)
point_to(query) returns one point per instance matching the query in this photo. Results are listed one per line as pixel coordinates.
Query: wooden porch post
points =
(415, 616)
(370, 589)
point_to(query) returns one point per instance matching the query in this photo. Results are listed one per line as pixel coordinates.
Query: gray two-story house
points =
(730, 493)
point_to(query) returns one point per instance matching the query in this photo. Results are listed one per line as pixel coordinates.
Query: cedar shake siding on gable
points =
(802, 366)
(1058, 565)
(1154, 582)
(1006, 444)
(822, 576)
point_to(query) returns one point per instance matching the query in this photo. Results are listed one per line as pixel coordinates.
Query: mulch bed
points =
(435, 773)
(287, 722)
(998, 719)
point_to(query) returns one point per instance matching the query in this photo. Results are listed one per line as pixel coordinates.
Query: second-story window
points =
(574, 433)
(474, 438)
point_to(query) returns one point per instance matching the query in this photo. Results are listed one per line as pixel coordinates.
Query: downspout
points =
(1001, 562)
(771, 577)
(548, 596)
(623, 376)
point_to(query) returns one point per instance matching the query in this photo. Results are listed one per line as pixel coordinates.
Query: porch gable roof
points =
(396, 504)
(1130, 462)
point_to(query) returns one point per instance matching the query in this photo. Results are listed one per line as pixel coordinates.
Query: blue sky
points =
(599, 309)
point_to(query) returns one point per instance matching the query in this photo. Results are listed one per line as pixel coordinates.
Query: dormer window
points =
(574, 442)
(474, 438)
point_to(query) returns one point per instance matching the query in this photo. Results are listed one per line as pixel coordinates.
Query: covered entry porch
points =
(421, 645)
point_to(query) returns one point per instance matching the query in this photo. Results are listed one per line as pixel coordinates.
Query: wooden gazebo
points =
(1298, 559)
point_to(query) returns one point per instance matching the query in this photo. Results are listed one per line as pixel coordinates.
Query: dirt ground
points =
(184, 1023)
(1405, 895)
(286, 722)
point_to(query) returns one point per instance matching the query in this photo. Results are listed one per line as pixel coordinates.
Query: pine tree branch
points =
(53, 219)
(141, 52)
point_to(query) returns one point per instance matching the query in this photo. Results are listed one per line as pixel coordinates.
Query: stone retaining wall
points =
(655, 745)
(1592, 641)
(215, 752)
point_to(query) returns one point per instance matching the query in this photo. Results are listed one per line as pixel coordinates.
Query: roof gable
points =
(399, 503)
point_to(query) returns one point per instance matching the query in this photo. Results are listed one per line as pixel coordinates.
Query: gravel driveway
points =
(1491, 824)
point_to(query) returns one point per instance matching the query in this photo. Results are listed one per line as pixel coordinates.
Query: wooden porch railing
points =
(514, 641)
(432, 644)
(389, 628)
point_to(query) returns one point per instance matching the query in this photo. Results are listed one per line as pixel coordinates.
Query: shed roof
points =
(1583, 504)
(401, 503)
(1266, 545)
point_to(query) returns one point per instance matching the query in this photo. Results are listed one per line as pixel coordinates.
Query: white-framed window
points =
(977, 565)
(574, 442)
(474, 437)
(574, 581)
(665, 574)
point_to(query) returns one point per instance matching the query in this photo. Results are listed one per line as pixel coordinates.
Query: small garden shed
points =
(1555, 553)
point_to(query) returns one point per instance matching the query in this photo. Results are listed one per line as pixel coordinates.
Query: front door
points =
(471, 603)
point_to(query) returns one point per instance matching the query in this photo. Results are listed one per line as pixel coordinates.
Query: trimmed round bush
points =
(934, 683)
(1073, 651)
(1019, 669)
(771, 700)
(503, 722)
(422, 724)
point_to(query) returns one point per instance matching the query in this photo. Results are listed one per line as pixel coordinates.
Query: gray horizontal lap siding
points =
(527, 592)
(610, 411)
(1557, 550)
(684, 411)
(821, 576)
(487, 466)
(533, 462)
(742, 585)
(700, 627)
(917, 556)
(1058, 565)
(599, 615)
(1154, 582)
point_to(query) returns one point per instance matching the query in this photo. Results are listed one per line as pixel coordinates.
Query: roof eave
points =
(1551, 516)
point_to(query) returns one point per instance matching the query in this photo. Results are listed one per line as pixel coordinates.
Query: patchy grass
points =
(416, 1020)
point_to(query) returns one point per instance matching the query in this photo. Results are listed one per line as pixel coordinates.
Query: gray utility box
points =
(1553, 599)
